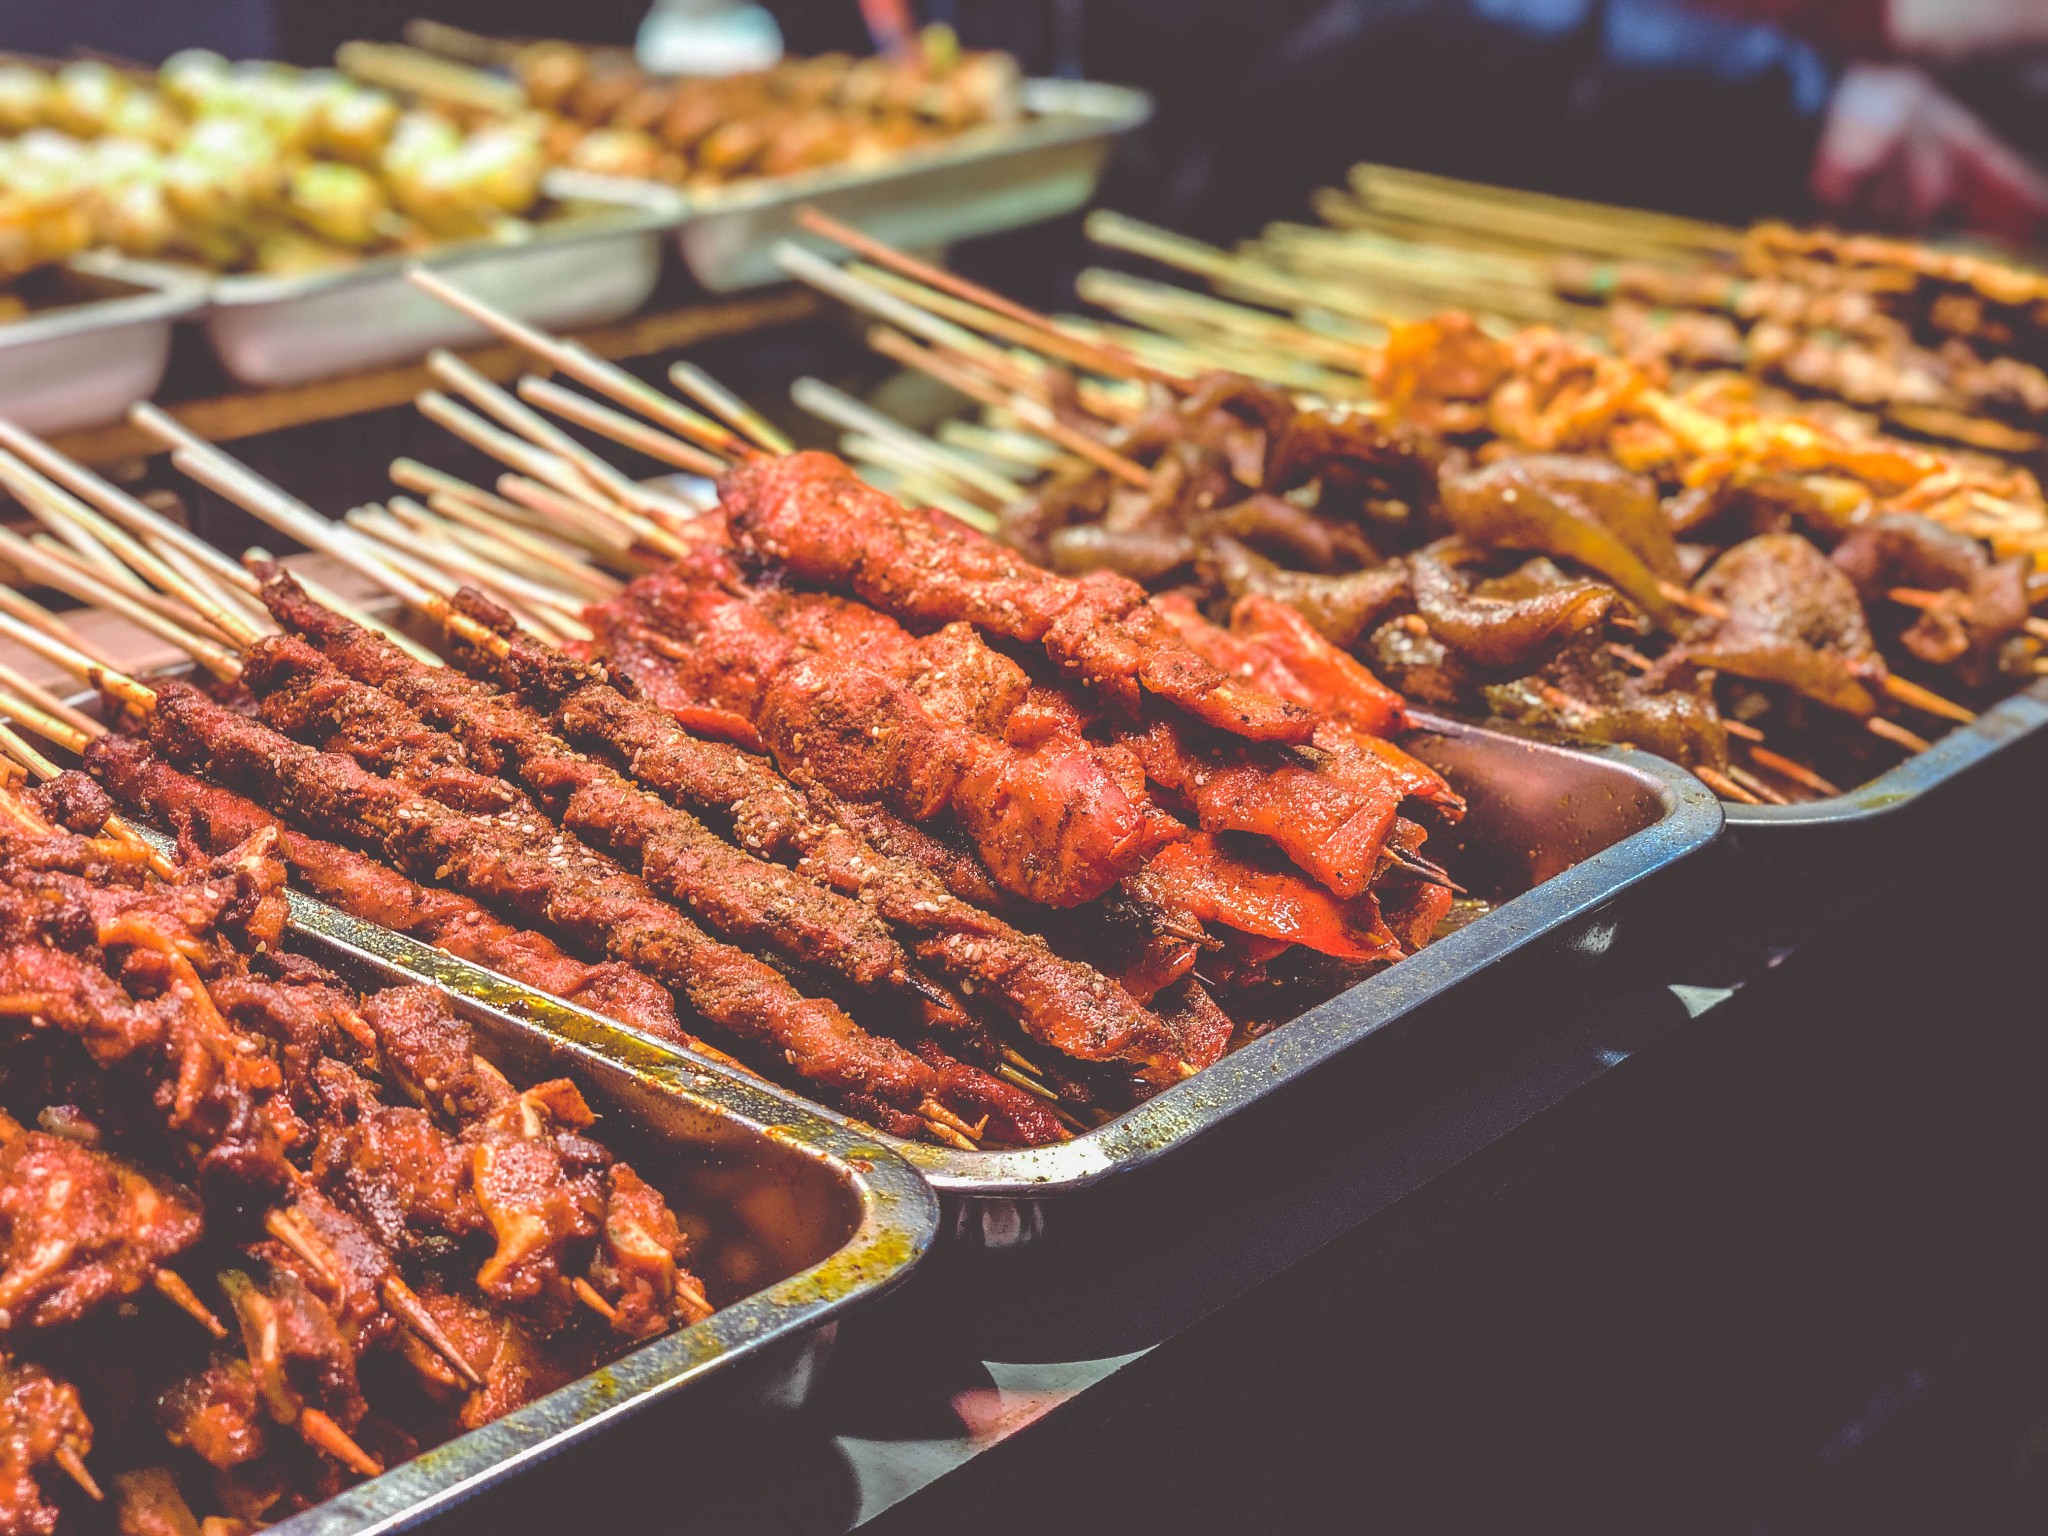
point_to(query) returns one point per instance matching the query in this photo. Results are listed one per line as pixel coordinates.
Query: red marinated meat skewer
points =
(809, 513)
(1053, 822)
(1059, 1002)
(511, 737)
(755, 901)
(1332, 817)
(728, 641)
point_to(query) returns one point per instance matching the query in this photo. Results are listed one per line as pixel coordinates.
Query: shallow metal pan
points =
(808, 1216)
(1553, 834)
(1965, 747)
(596, 261)
(985, 181)
(102, 349)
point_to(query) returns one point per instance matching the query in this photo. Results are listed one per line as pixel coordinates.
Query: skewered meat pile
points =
(1539, 531)
(611, 116)
(250, 167)
(1943, 344)
(1940, 344)
(988, 860)
(401, 1243)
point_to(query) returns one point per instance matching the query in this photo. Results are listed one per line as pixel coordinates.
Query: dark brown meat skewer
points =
(580, 893)
(360, 695)
(217, 820)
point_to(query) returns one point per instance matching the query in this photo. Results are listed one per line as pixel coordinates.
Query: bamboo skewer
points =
(842, 410)
(559, 559)
(35, 695)
(89, 536)
(204, 584)
(539, 464)
(728, 407)
(41, 499)
(1022, 362)
(72, 1465)
(118, 827)
(68, 579)
(417, 561)
(553, 612)
(902, 349)
(606, 481)
(282, 511)
(1099, 359)
(622, 429)
(486, 544)
(425, 480)
(517, 453)
(548, 503)
(1147, 301)
(584, 366)
(1896, 734)
(136, 516)
(1914, 696)
(1913, 597)
(180, 613)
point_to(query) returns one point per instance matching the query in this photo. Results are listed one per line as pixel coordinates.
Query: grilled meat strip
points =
(810, 513)
(580, 893)
(217, 819)
(1061, 1003)
(356, 681)
(1053, 822)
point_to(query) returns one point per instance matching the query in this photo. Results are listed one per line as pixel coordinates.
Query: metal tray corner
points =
(1965, 747)
(87, 362)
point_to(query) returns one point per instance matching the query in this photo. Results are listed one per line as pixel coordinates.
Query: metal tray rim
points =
(898, 1223)
(1692, 819)
(2013, 719)
(1076, 110)
(642, 208)
(169, 295)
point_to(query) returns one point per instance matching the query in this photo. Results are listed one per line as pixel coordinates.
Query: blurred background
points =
(1910, 115)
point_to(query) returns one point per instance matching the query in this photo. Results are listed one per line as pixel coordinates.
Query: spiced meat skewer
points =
(555, 882)
(1057, 1001)
(359, 695)
(218, 819)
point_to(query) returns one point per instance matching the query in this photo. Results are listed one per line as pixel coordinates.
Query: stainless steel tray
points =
(1553, 833)
(809, 1217)
(597, 261)
(984, 181)
(2003, 725)
(88, 361)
